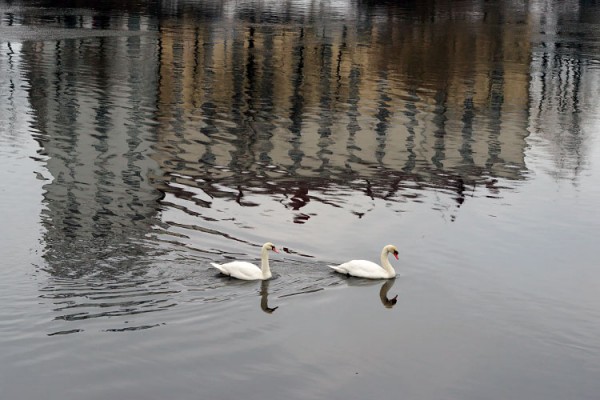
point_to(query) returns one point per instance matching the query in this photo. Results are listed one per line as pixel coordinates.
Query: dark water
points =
(141, 141)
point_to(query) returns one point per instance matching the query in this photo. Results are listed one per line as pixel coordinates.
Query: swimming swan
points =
(248, 271)
(368, 269)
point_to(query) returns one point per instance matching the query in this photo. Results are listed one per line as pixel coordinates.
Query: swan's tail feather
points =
(337, 268)
(217, 266)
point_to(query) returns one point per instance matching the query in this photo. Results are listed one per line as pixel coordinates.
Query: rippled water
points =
(141, 141)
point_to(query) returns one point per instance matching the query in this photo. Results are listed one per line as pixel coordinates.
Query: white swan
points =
(368, 269)
(248, 271)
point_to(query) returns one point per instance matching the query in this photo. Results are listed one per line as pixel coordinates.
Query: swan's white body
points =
(368, 269)
(248, 271)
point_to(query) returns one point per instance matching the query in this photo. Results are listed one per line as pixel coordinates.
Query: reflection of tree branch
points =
(240, 195)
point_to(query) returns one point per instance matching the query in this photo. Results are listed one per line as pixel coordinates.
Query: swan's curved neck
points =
(264, 264)
(385, 263)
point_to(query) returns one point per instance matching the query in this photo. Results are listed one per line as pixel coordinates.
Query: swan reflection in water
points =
(383, 291)
(239, 284)
(264, 297)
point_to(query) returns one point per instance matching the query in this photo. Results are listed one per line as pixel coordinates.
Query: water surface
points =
(140, 142)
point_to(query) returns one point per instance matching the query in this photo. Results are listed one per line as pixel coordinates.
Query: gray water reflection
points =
(153, 140)
(175, 133)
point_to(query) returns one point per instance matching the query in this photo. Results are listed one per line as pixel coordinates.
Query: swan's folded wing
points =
(242, 270)
(362, 269)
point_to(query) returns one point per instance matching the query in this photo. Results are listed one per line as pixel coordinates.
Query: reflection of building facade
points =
(12, 91)
(219, 95)
(330, 101)
(559, 97)
(100, 198)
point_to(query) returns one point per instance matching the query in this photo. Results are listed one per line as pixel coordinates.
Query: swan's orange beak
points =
(396, 254)
(274, 249)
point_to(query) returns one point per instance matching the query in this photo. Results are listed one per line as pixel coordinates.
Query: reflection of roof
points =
(298, 191)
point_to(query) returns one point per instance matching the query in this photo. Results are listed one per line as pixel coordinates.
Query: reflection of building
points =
(12, 92)
(370, 98)
(94, 110)
(559, 97)
(377, 99)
